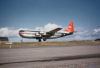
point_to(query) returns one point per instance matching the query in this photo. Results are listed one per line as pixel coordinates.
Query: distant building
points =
(97, 39)
(4, 40)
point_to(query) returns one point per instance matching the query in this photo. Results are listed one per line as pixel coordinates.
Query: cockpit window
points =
(21, 31)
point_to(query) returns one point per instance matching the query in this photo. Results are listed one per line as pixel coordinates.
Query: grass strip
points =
(48, 43)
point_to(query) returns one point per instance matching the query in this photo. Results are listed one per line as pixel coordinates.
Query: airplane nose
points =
(20, 33)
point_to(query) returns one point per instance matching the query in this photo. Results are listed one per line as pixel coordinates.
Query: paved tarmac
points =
(27, 55)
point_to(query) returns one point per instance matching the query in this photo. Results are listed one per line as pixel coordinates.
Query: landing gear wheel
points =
(44, 39)
(39, 40)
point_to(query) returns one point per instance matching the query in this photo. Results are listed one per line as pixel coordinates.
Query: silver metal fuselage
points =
(42, 34)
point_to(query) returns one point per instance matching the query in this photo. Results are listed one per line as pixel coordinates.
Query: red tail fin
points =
(70, 27)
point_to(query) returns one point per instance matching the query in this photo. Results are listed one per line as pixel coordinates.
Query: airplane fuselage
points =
(55, 33)
(42, 34)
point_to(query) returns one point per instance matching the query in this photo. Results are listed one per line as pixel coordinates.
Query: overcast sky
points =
(49, 14)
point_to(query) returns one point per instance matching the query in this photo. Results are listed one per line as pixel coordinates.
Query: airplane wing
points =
(53, 31)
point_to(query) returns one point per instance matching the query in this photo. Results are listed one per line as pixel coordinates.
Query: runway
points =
(27, 55)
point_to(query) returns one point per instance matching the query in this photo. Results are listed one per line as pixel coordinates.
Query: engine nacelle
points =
(38, 35)
(42, 32)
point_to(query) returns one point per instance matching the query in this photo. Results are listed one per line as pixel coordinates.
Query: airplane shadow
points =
(60, 58)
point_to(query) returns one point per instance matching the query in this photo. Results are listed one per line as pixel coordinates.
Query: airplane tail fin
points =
(70, 28)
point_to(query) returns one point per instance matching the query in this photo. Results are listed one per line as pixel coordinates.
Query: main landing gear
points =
(39, 40)
(44, 39)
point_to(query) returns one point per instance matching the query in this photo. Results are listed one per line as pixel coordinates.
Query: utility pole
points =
(21, 40)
